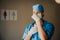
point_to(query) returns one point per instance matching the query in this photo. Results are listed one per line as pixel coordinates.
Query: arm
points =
(30, 33)
(41, 32)
(27, 37)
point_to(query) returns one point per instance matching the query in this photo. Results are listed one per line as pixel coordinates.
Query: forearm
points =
(27, 37)
(41, 32)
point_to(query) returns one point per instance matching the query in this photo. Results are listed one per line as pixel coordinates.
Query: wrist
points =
(39, 21)
(30, 34)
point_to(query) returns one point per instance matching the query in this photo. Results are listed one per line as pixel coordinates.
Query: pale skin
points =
(41, 32)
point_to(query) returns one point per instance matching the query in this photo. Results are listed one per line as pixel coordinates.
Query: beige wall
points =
(13, 30)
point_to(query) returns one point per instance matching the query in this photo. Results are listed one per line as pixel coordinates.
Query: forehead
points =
(36, 11)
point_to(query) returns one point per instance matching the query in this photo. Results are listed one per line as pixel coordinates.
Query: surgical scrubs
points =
(47, 27)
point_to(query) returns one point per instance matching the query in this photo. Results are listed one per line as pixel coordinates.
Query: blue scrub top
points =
(47, 27)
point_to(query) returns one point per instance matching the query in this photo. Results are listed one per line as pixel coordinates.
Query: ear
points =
(42, 14)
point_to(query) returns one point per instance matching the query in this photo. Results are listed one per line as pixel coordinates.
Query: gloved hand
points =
(33, 30)
(35, 17)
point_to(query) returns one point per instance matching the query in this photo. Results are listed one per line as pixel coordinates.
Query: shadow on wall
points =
(57, 21)
(0, 37)
(57, 11)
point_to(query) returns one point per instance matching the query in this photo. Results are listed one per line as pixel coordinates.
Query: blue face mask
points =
(39, 15)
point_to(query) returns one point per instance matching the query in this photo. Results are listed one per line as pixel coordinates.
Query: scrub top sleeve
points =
(25, 32)
(49, 30)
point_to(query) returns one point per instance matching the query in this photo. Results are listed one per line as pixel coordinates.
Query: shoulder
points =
(49, 29)
(49, 25)
(30, 25)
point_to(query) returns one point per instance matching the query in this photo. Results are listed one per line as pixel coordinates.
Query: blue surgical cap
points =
(38, 7)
